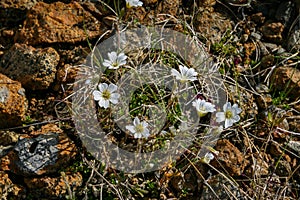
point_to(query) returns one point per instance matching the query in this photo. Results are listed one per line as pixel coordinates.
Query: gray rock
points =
(267, 48)
(4, 93)
(294, 38)
(34, 68)
(220, 186)
(295, 146)
(284, 12)
(36, 153)
(44, 151)
(256, 36)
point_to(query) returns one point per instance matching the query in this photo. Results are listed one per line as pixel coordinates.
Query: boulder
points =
(35, 68)
(58, 23)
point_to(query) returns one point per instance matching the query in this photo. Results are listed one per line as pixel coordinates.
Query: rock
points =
(170, 7)
(284, 12)
(285, 78)
(13, 103)
(13, 13)
(267, 48)
(259, 165)
(272, 31)
(20, 4)
(4, 150)
(9, 190)
(46, 153)
(255, 36)
(207, 3)
(8, 137)
(264, 101)
(211, 25)
(283, 168)
(293, 43)
(34, 68)
(295, 125)
(67, 74)
(149, 2)
(230, 158)
(53, 187)
(223, 187)
(258, 18)
(267, 61)
(295, 146)
(236, 2)
(53, 23)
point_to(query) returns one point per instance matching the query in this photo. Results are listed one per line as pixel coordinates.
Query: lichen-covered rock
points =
(43, 152)
(230, 158)
(287, 79)
(34, 68)
(13, 103)
(53, 187)
(58, 23)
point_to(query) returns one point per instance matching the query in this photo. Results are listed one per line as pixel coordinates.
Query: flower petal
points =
(137, 135)
(136, 121)
(112, 87)
(130, 128)
(114, 98)
(102, 87)
(97, 95)
(106, 63)
(144, 124)
(112, 56)
(236, 108)
(227, 106)
(146, 133)
(175, 73)
(228, 123)
(236, 118)
(103, 103)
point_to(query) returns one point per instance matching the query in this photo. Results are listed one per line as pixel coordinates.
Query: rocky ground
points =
(256, 45)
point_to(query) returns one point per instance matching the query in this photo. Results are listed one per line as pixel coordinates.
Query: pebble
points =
(256, 36)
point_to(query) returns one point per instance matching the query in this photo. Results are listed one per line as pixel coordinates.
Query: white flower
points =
(185, 74)
(203, 107)
(230, 114)
(139, 129)
(106, 95)
(133, 3)
(208, 157)
(115, 60)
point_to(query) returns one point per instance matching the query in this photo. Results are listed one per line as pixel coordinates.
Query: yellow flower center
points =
(139, 128)
(115, 64)
(228, 114)
(106, 94)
